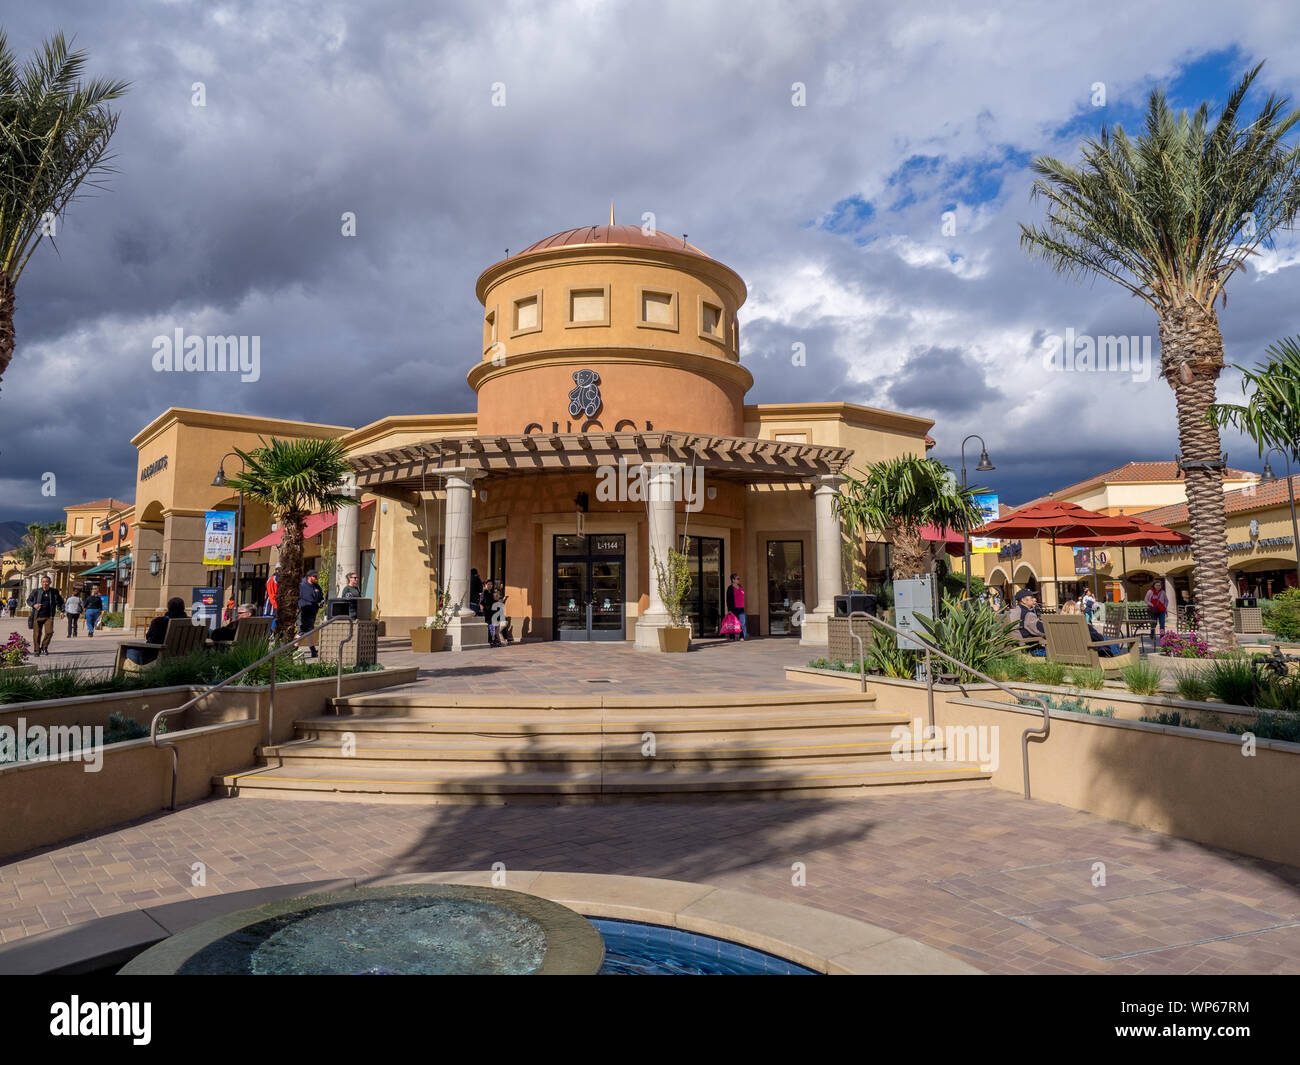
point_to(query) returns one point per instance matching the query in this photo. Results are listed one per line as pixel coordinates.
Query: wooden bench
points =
(183, 638)
(1071, 644)
(247, 630)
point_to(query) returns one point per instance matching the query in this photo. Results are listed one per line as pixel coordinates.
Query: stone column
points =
(466, 629)
(347, 547)
(661, 521)
(828, 538)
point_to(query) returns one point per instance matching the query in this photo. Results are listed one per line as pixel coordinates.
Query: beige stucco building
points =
(610, 425)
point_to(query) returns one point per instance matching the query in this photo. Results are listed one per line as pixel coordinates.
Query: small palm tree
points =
(37, 539)
(1271, 416)
(54, 134)
(900, 496)
(292, 479)
(1170, 217)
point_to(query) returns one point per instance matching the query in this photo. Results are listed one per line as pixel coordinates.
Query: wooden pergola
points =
(416, 467)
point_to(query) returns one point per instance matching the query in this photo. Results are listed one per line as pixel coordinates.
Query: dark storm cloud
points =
(941, 381)
(226, 219)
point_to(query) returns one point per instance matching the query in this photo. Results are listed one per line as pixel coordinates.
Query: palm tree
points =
(1170, 217)
(54, 134)
(292, 479)
(36, 540)
(1271, 416)
(899, 496)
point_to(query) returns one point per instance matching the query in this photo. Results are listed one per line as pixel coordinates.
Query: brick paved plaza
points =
(1000, 882)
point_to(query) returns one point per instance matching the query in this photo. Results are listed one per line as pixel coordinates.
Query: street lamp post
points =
(984, 467)
(218, 482)
(1267, 476)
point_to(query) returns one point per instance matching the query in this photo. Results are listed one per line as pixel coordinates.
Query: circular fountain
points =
(414, 929)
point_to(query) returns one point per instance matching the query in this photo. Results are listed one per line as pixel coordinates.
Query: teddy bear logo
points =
(585, 399)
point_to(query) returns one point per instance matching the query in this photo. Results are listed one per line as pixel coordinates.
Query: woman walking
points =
(736, 603)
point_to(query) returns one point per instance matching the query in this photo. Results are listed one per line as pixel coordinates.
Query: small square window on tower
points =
(588, 306)
(711, 321)
(658, 310)
(527, 314)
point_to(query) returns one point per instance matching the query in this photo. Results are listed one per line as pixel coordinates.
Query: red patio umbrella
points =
(1056, 519)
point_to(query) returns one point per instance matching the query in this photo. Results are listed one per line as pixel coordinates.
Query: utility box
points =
(911, 597)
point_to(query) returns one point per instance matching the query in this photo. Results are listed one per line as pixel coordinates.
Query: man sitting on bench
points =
(227, 632)
(1024, 615)
(157, 632)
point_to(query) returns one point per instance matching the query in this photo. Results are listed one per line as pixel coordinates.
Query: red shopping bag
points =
(731, 625)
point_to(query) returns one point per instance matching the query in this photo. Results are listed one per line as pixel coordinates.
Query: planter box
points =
(675, 640)
(840, 645)
(424, 641)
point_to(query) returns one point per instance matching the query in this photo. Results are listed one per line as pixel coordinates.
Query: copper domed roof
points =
(625, 235)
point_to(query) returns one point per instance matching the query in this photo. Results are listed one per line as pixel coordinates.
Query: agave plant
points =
(970, 632)
(1170, 216)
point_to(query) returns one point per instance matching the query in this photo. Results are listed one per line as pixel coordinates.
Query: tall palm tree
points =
(1271, 416)
(900, 496)
(54, 134)
(1170, 216)
(292, 479)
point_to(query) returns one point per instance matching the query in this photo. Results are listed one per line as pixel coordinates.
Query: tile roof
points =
(101, 504)
(1132, 473)
(1259, 496)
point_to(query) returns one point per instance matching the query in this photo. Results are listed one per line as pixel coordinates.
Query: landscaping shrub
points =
(1142, 679)
(1074, 704)
(884, 654)
(15, 651)
(1192, 685)
(1170, 717)
(1232, 680)
(1280, 693)
(1043, 672)
(200, 669)
(112, 619)
(1184, 645)
(1091, 677)
(1282, 618)
(1268, 726)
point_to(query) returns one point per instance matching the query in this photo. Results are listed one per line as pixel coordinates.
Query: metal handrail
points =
(1040, 734)
(270, 735)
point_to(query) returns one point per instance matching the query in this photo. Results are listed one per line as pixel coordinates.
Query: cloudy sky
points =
(225, 218)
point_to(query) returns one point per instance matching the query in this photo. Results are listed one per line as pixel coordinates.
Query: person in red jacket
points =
(272, 596)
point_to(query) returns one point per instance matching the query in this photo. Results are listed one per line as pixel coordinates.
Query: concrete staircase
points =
(414, 746)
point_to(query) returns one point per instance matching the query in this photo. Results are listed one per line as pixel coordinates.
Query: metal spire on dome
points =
(611, 212)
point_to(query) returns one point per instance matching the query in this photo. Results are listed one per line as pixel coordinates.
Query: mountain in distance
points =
(11, 535)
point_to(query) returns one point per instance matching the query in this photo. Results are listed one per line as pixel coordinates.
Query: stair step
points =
(560, 751)
(460, 784)
(528, 723)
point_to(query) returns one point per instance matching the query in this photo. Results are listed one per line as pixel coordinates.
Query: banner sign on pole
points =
(988, 504)
(219, 538)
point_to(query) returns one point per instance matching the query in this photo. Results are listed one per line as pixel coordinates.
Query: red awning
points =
(313, 526)
(955, 545)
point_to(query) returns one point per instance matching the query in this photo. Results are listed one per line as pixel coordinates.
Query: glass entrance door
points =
(708, 587)
(589, 588)
(570, 600)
